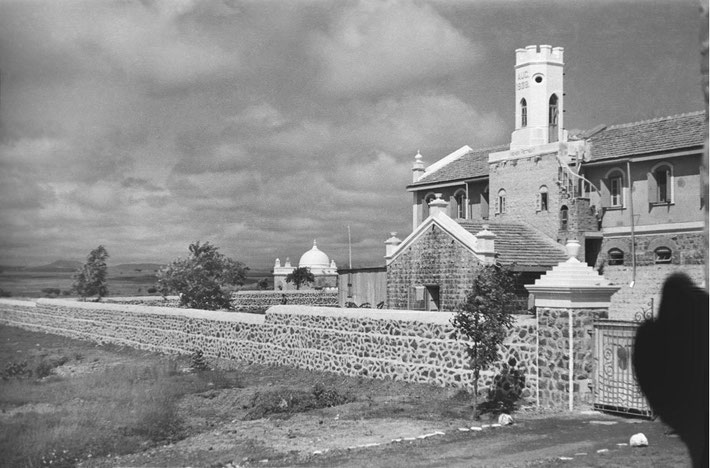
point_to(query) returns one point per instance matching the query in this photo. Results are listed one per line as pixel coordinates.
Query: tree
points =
(90, 279)
(484, 317)
(202, 279)
(299, 276)
(263, 284)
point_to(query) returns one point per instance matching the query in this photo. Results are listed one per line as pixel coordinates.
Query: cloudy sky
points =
(261, 125)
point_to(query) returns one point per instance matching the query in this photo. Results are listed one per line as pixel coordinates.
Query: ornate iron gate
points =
(615, 386)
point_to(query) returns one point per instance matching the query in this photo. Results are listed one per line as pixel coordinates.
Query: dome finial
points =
(315, 245)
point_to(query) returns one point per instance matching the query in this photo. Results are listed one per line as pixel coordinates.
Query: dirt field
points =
(251, 415)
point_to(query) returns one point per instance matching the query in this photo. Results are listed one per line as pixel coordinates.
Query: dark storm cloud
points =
(146, 125)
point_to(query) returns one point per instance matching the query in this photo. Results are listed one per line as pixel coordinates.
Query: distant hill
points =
(59, 265)
(135, 268)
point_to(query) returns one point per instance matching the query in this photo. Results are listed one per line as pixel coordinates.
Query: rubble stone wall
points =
(401, 345)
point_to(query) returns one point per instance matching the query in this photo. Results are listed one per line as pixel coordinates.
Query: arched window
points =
(660, 184)
(542, 199)
(459, 208)
(500, 202)
(616, 256)
(552, 119)
(523, 113)
(663, 255)
(613, 189)
(564, 217)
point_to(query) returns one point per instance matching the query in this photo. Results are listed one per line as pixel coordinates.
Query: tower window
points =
(663, 255)
(501, 202)
(553, 117)
(564, 217)
(523, 113)
(616, 257)
(542, 199)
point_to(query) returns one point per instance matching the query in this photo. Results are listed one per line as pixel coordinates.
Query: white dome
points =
(314, 258)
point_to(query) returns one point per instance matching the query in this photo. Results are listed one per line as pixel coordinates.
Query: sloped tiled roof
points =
(468, 166)
(520, 244)
(649, 136)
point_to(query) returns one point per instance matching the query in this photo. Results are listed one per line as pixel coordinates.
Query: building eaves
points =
(471, 165)
(649, 136)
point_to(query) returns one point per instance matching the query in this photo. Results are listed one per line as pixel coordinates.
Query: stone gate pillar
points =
(568, 299)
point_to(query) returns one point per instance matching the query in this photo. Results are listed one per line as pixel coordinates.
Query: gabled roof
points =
(649, 136)
(520, 244)
(455, 230)
(468, 166)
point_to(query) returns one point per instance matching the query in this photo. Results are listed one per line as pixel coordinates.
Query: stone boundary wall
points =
(261, 300)
(402, 345)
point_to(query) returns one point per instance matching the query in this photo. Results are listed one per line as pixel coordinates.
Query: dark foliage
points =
(90, 279)
(300, 276)
(483, 319)
(507, 389)
(202, 279)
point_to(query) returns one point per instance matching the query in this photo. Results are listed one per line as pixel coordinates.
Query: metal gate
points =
(615, 386)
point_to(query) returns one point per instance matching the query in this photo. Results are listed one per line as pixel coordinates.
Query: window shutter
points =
(605, 193)
(652, 188)
(484, 207)
(496, 209)
(538, 202)
(453, 203)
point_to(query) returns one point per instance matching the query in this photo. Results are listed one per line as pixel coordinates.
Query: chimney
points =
(417, 167)
(437, 205)
(391, 244)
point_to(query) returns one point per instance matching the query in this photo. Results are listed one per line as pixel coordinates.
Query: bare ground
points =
(386, 423)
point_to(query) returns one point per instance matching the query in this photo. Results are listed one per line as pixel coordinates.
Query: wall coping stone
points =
(441, 318)
(143, 309)
(330, 291)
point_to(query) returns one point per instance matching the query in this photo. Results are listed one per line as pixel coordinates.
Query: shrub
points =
(51, 292)
(4, 293)
(16, 370)
(152, 290)
(506, 391)
(202, 278)
(198, 361)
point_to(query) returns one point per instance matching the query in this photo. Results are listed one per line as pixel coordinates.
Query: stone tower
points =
(538, 96)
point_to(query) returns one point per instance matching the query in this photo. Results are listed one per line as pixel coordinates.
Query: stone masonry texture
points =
(435, 259)
(553, 330)
(358, 342)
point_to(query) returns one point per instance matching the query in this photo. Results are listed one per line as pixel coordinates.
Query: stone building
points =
(317, 261)
(629, 193)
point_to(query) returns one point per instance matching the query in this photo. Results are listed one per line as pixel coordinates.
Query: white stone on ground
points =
(505, 419)
(638, 440)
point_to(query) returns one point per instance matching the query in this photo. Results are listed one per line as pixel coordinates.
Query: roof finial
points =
(315, 246)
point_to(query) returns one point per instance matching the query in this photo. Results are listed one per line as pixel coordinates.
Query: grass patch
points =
(285, 403)
(116, 410)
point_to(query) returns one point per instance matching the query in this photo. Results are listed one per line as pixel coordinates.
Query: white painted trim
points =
(447, 225)
(655, 228)
(433, 186)
(444, 161)
(520, 153)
